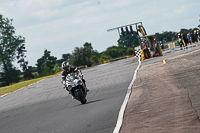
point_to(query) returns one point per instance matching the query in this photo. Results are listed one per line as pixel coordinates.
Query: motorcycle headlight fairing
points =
(69, 87)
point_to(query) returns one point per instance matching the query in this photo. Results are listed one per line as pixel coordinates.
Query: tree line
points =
(12, 48)
(167, 36)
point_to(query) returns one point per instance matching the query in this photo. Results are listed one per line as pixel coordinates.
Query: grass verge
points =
(17, 86)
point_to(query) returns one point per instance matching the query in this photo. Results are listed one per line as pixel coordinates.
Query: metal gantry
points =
(130, 25)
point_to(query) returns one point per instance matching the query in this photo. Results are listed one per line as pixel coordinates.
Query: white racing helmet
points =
(65, 65)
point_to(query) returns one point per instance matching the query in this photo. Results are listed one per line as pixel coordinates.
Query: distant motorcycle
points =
(76, 87)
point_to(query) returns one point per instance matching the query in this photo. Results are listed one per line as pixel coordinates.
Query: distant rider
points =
(66, 70)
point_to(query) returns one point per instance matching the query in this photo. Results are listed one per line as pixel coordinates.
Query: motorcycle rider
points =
(66, 70)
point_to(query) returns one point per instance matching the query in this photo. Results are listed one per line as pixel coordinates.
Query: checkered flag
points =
(137, 53)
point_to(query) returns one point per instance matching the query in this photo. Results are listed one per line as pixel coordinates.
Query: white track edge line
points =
(123, 107)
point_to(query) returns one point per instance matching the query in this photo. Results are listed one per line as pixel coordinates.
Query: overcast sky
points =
(61, 25)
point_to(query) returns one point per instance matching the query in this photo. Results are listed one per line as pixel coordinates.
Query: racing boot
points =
(86, 89)
(85, 85)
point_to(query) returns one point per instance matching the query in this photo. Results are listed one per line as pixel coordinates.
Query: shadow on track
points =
(95, 101)
(89, 102)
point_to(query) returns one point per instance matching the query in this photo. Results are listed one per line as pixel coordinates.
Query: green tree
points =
(27, 70)
(28, 73)
(46, 62)
(104, 58)
(130, 51)
(115, 51)
(76, 57)
(45, 70)
(166, 36)
(86, 55)
(8, 46)
(89, 45)
(94, 59)
(57, 68)
(82, 56)
(128, 40)
(66, 57)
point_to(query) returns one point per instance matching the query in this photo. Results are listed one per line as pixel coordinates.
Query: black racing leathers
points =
(71, 69)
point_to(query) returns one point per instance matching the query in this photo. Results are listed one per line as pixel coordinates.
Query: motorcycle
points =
(76, 87)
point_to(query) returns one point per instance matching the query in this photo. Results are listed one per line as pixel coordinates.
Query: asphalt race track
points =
(45, 107)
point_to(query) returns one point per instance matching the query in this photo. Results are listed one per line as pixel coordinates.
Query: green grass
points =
(17, 86)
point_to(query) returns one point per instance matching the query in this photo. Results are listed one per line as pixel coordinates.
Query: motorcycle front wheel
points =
(81, 97)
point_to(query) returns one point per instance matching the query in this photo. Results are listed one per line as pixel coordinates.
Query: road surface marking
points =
(164, 62)
(123, 107)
